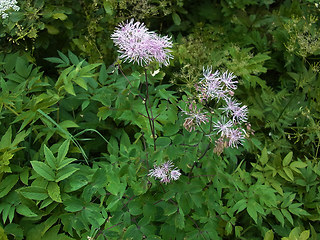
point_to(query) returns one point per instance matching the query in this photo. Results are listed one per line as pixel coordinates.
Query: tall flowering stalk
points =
(137, 44)
(227, 127)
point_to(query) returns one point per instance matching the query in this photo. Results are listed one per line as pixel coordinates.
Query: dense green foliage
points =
(76, 145)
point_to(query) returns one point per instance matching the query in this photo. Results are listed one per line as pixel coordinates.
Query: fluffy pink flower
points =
(210, 85)
(235, 137)
(223, 126)
(175, 174)
(228, 79)
(165, 172)
(137, 44)
(240, 114)
(196, 117)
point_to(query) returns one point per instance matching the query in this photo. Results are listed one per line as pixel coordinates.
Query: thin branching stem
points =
(150, 114)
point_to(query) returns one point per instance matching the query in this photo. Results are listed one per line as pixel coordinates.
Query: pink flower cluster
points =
(196, 117)
(220, 87)
(216, 85)
(137, 44)
(165, 172)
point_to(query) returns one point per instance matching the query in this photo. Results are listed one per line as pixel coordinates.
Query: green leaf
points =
(176, 18)
(240, 205)
(43, 170)
(7, 184)
(103, 74)
(19, 138)
(11, 213)
(14, 230)
(133, 232)
(287, 215)
(298, 211)
(278, 216)
(163, 141)
(107, 5)
(228, 228)
(304, 235)
(73, 58)
(69, 88)
(52, 30)
(50, 159)
(6, 209)
(21, 67)
(65, 172)
(170, 209)
(81, 82)
(3, 236)
(264, 156)
(135, 208)
(269, 235)
(287, 159)
(6, 139)
(171, 129)
(54, 191)
(289, 173)
(48, 224)
(294, 234)
(60, 16)
(65, 162)
(112, 202)
(298, 164)
(54, 60)
(24, 176)
(179, 220)
(84, 72)
(104, 112)
(252, 210)
(73, 205)
(64, 57)
(25, 211)
(62, 151)
(313, 233)
(276, 185)
(45, 203)
(34, 193)
(68, 124)
(114, 187)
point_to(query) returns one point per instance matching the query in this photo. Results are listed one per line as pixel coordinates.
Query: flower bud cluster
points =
(137, 44)
(165, 172)
(6, 5)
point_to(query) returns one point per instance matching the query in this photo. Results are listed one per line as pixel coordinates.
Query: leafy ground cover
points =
(127, 119)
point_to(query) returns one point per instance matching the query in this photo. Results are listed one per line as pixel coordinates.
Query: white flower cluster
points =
(6, 5)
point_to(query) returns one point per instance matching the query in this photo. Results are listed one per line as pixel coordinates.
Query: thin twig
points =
(119, 67)
(197, 227)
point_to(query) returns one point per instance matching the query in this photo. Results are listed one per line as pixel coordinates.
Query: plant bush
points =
(97, 144)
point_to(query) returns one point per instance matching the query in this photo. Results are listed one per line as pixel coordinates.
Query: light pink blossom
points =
(196, 117)
(165, 172)
(222, 126)
(137, 44)
(235, 137)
